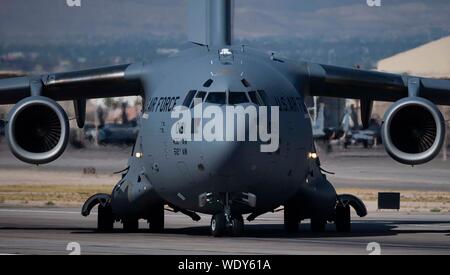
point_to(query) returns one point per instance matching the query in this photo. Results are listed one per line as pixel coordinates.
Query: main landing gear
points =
(130, 225)
(292, 221)
(318, 225)
(291, 218)
(155, 220)
(343, 219)
(105, 218)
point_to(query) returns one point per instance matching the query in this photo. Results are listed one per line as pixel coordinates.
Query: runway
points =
(48, 231)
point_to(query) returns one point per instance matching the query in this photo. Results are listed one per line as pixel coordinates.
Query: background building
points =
(430, 60)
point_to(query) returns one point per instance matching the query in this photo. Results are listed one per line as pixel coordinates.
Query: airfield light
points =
(139, 155)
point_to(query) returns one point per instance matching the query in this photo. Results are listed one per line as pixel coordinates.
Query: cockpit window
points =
(264, 98)
(217, 98)
(255, 98)
(188, 99)
(200, 95)
(222, 98)
(235, 98)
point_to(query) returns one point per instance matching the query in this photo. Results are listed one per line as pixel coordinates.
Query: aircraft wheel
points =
(156, 219)
(343, 219)
(237, 226)
(105, 220)
(131, 225)
(291, 219)
(366, 144)
(318, 225)
(219, 225)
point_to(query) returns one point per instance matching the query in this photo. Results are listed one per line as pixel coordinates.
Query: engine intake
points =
(413, 131)
(38, 130)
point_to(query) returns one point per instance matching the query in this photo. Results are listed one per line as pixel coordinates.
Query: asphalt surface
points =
(49, 231)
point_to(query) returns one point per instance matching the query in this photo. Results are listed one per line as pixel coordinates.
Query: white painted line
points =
(26, 211)
(38, 211)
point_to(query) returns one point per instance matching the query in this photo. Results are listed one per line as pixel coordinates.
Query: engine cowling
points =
(38, 130)
(413, 131)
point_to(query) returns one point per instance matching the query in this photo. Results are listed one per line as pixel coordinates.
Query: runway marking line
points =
(39, 211)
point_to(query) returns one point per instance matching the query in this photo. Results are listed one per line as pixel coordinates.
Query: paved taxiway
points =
(48, 231)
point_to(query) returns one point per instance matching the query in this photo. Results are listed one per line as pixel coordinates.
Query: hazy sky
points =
(53, 19)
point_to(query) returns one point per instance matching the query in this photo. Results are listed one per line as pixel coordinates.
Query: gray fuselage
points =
(180, 172)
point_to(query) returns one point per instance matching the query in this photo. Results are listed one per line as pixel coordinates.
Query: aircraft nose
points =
(231, 161)
(230, 165)
(231, 152)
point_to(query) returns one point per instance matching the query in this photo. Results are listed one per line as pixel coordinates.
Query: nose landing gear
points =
(223, 224)
(218, 225)
(227, 222)
(237, 226)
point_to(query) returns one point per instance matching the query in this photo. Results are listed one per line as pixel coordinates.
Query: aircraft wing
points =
(331, 81)
(115, 81)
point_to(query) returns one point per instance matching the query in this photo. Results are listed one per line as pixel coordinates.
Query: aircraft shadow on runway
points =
(360, 229)
(369, 229)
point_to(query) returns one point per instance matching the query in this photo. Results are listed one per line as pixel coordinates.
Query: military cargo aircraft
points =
(322, 133)
(367, 137)
(226, 179)
(318, 124)
(118, 133)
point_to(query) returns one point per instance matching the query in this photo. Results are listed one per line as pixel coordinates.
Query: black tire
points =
(237, 228)
(366, 144)
(329, 147)
(105, 219)
(318, 225)
(130, 225)
(218, 225)
(156, 219)
(343, 219)
(291, 219)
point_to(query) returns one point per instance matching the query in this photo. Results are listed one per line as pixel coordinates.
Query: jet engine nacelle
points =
(37, 130)
(413, 131)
